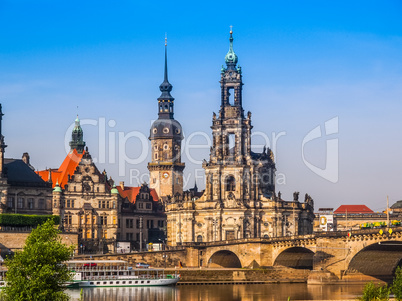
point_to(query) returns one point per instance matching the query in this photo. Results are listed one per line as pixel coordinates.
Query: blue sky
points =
(303, 64)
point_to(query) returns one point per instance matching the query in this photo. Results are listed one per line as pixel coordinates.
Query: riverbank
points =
(207, 276)
(240, 276)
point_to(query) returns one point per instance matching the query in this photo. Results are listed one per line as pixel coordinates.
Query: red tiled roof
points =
(154, 195)
(132, 192)
(68, 167)
(353, 209)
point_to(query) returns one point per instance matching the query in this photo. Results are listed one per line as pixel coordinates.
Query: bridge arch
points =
(224, 259)
(378, 260)
(295, 257)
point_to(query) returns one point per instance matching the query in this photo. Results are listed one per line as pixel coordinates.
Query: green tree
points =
(397, 284)
(374, 293)
(37, 272)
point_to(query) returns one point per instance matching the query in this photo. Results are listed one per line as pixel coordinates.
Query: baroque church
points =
(239, 200)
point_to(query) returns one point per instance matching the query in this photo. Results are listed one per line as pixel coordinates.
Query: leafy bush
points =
(25, 220)
(375, 293)
(397, 284)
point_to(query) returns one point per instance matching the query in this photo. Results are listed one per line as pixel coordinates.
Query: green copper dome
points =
(77, 128)
(114, 190)
(57, 188)
(231, 57)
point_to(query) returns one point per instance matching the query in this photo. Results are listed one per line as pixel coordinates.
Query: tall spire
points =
(165, 101)
(166, 72)
(77, 137)
(231, 57)
(165, 87)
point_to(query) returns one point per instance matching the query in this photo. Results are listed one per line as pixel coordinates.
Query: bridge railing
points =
(332, 234)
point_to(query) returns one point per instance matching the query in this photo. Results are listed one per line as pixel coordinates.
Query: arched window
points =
(199, 238)
(230, 183)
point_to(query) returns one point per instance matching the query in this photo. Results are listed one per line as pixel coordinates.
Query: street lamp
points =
(141, 227)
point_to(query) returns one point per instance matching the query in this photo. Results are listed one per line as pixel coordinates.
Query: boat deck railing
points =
(100, 269)
(110, 277)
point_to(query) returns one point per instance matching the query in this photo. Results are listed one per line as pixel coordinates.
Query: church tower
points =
(234, 172)
(166, 168)
(239, 200)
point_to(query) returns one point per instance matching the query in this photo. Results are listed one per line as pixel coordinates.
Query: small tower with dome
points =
(77, 137)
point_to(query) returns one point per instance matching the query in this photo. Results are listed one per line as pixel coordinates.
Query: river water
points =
(247, 292)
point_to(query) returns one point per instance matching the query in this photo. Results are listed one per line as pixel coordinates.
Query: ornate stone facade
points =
(239, 200)
(102, 214)
(84, 198)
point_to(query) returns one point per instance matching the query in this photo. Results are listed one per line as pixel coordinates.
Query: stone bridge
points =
(367, 252)
(364, 252)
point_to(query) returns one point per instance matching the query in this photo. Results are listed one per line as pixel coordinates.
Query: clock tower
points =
(166, 168)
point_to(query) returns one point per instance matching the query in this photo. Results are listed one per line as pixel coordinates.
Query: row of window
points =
(66, 204)
(70, 203)
(86, 188)
(29, 203)
(122, 282)
(87, 219)
(92, 234)
(107, 204)
(150, 223)
(141, 205)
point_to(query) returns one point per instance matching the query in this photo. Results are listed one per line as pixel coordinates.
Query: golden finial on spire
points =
(231, 29)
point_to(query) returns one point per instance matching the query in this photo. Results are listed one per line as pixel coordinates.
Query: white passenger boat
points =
(114, 273)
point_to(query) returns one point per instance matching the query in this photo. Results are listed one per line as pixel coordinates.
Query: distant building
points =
(353, 209)
(351, 217)
(397, 207)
